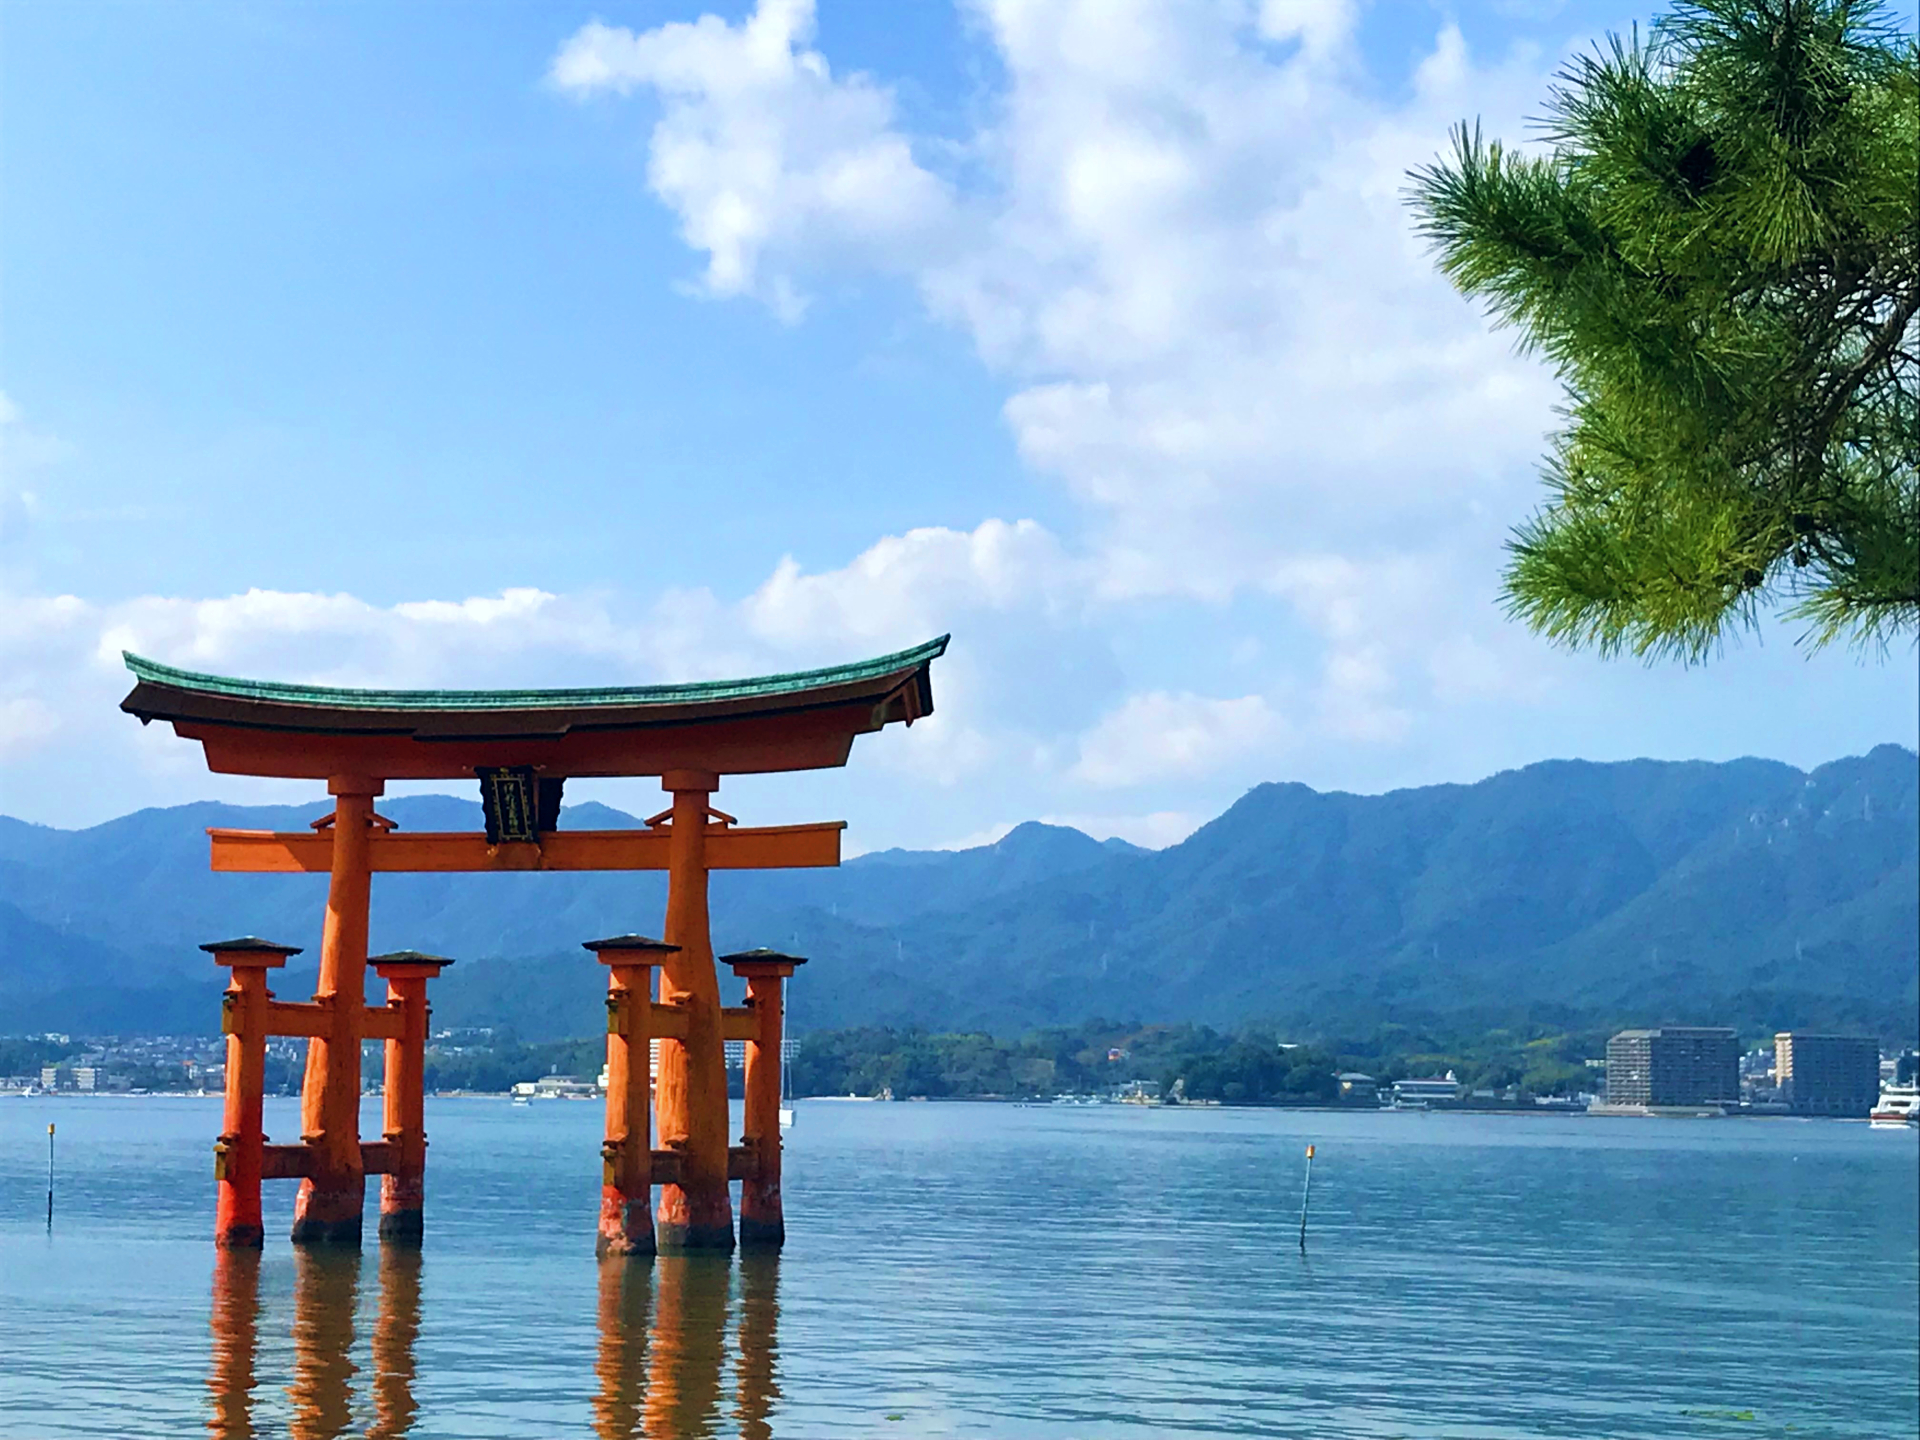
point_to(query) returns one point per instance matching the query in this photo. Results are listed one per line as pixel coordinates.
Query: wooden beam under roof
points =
(310, 852)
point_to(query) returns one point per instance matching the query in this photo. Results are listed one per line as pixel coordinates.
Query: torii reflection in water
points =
(661, 1363)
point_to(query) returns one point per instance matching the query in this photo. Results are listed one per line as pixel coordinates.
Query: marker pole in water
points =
(49, 1176)
(1306, 1194)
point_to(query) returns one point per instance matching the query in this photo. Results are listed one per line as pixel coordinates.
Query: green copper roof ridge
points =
(279, 692)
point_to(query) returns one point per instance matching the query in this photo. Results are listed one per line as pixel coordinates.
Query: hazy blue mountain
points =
(1747, 892)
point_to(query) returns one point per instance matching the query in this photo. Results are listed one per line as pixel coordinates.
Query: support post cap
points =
(702, 781)
(250, 950)
(617, 949)
(763, 961)
(407, 964)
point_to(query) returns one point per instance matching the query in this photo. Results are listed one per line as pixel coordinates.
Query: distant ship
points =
(1898, 1109)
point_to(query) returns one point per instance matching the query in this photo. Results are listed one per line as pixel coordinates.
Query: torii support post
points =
(404, 1119)
(690, 1107)
(626, 1182)
(240, 1152)
(334, 1191)
(763, 1223)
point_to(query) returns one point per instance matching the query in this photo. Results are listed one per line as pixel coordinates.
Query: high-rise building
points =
(1827, 1074)
(1678, 1065)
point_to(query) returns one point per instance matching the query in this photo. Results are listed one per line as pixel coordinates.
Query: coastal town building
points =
(1357, 1088)
(1678, 1066)
(1427, 1090)
(1827, 1074)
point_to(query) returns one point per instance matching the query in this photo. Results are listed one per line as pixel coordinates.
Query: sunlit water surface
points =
(994, 1270)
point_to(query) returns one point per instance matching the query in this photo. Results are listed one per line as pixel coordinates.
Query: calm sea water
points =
(978, 1270)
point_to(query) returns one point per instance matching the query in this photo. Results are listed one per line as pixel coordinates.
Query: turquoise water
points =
(979, 1270)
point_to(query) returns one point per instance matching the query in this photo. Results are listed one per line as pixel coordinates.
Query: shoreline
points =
(1598, 1113)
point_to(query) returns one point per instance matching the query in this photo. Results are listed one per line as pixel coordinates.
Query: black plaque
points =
(510, 798)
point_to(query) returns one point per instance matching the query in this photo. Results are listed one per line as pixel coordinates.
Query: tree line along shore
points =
(1253, 1065)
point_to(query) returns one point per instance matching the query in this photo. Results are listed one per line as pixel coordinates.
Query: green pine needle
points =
(1720, 255)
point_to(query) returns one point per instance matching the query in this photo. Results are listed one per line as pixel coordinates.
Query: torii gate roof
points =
(799, 721)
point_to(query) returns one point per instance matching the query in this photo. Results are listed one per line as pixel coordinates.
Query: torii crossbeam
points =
(522, 746)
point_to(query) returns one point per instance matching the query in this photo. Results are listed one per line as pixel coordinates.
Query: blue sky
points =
(524, 344)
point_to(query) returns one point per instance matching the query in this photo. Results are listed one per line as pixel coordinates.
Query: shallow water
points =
(985, 1270)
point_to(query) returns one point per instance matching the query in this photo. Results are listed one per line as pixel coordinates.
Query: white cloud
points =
(1158, 736)
(26, 723)
(1178, 231)
(902, 588)
(1323, 27)
(61, 672)
(1153, 831)
(762, 152)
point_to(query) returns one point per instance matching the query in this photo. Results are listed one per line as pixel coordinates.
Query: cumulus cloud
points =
(1184, 244)
(1178, 233)
(770, 161)
(1158, 736)
(901, 588)
(61, 672)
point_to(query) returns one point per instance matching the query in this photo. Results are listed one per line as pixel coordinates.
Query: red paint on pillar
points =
(403, 1106)
(240, 1152)
(691, 1104)
(762, 1218)
(333, 1196)
(626, 1179)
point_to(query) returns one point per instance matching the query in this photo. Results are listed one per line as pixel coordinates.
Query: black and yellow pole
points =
(49, 1177)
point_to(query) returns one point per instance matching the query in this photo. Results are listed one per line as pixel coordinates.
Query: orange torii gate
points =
(522, 746)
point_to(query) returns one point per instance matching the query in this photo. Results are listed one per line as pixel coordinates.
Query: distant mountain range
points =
(1745, 893)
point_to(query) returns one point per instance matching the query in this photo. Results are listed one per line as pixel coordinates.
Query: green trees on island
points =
(1719, 252)
(1248, 1068)
(1191, 1062)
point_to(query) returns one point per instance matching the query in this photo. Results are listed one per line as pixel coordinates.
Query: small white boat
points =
(1898, 1108)
(786, 1117)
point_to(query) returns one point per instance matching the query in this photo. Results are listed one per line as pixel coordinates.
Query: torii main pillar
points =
(333, 1194)
(690, 1100)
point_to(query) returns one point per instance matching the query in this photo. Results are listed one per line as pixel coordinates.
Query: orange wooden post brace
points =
(626, 1180)
(239, 1153)
(404, 1122)
(762, 1222)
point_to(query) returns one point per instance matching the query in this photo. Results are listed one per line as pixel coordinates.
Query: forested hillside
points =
(1748, 893)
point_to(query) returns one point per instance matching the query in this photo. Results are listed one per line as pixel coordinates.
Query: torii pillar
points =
(763, 1224)
(690, 1104)
(403, 1186)
(334, 1192)
(240, 1153)
(626, 1182)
